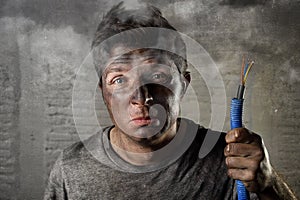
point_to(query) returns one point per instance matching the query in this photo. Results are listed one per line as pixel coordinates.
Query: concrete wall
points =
(43, 43)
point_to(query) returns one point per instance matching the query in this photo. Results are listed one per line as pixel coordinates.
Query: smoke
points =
(60, 48)
(243, 2)
(290, 71)
(132, 4)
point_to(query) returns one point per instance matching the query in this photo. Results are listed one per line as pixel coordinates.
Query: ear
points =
(186, 81)
(100, 83)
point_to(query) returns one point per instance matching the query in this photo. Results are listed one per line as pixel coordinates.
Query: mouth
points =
(143, 121)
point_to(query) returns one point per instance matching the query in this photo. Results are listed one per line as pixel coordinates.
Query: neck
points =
(139, 152)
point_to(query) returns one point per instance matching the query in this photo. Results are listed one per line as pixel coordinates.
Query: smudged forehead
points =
(121, 55)
(162, 39)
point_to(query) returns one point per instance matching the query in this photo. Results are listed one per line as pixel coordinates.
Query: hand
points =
(247, 159)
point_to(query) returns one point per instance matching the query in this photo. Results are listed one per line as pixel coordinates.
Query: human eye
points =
(118, 80)
(159, 78)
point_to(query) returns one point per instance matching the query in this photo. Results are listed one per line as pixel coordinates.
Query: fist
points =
(246, 159)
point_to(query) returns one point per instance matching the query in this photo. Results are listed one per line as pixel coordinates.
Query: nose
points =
(141, 96)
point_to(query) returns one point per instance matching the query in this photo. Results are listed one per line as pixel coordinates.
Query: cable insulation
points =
(236, 113)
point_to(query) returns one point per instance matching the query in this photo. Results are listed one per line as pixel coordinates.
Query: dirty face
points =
(142, 91)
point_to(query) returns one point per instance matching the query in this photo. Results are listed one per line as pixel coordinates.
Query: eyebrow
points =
(127, 58)
(115, 69)
(121, 59)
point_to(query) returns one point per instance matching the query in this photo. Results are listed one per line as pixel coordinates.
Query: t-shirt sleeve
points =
(55, 189)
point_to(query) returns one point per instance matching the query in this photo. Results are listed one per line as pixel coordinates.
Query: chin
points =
(146, 133)
(146, 142)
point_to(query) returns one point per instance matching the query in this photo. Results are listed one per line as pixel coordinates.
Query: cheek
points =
(167, 97)
(116, 102)
(106, 97)
(113, 97)
(170, 93)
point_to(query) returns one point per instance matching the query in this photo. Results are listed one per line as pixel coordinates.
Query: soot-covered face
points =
(142, 90)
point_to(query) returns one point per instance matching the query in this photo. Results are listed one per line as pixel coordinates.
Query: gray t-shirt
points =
(92, 170)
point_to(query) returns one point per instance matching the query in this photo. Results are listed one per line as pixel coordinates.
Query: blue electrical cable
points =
(236, 112)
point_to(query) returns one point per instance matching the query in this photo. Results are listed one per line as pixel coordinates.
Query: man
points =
(149, 152)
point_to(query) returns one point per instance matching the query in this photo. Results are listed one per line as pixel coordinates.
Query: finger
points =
(242, 174)
(241, 135)
(251, 186)
(247, 183)
(242, 163)
(243, 150)
(234, 135)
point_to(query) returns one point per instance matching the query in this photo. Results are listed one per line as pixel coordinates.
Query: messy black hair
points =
(120, 20)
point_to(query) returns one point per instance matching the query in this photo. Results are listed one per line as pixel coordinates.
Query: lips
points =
(142, 117)
(141, 121)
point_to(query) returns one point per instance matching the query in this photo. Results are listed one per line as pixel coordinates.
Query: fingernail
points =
(236, 134)
(226, 161)
(227, 148)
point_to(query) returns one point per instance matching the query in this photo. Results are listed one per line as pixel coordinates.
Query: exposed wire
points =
(242, 71)
(246, 67)
(247, 71)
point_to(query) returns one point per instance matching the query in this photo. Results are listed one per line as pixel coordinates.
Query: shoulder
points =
(87, 152)
(83, 150)
(205, 133)
(75, 151)
(207, 141)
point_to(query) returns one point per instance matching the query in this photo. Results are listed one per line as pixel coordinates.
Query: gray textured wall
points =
(42, 44)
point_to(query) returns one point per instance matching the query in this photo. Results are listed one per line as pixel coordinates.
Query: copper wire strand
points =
(247, 72)
(242, 71)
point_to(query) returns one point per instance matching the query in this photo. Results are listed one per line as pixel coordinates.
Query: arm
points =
(55, 189)
(247, 160)
(278, 189)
